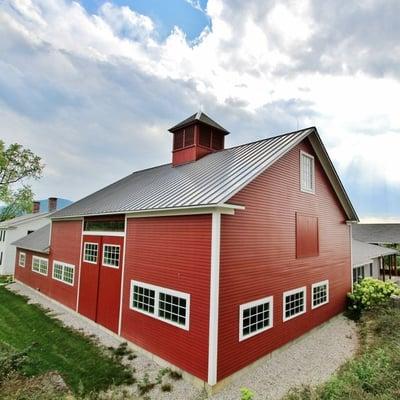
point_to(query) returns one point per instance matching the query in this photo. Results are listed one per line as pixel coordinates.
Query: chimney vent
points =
(36, 207)
(196, 137)
(52, 205)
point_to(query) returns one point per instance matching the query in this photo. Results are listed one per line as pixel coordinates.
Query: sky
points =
(93, 86)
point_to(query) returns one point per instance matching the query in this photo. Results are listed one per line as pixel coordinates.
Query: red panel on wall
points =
(174, 253)
(258, 258)
(306, 235)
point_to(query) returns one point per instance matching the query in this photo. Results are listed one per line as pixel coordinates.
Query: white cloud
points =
(261, 67)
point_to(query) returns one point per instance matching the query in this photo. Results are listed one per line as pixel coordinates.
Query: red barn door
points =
(100, 281)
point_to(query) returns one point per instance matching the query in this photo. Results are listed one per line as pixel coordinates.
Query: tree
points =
(17, 164)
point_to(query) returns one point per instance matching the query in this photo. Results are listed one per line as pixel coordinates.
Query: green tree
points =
(17, 165)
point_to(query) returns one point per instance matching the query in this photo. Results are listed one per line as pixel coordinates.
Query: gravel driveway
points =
(311, 359)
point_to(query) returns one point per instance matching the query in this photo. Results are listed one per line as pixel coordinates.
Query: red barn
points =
(211, 262)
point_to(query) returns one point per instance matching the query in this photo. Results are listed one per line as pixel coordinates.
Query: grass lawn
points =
(375, 372)
(84, 366)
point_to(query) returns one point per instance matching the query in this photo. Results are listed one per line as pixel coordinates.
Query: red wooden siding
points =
(258, 258)
(33, 279)
(65, 247)
(171, 252)
(306, 235)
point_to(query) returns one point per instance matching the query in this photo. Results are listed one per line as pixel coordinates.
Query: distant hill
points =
(61, 203)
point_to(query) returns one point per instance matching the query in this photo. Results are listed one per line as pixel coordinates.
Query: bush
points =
(246, 394)
(371, 292)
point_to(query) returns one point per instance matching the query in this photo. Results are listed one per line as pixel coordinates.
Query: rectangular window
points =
(90, 252)
(63, 272)
(294, 303)
(164, 304)
(40, 265)
(307, 173)
(358, 273)
(21, 259)
(111, 255)
(1, 258)
(104, 226)
(320, 294)
(255, 317)
(307, 237)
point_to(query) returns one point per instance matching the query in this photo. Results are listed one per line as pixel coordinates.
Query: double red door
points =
(100, 279)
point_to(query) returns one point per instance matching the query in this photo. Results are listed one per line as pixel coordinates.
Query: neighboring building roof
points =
(201, 117)
(210, 181)
(377, 233)
(22, 219)
(363, 253)
(35, 241)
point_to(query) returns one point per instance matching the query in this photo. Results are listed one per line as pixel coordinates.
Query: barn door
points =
(100, 281)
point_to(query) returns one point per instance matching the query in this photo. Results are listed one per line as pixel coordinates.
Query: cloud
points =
(94, 94)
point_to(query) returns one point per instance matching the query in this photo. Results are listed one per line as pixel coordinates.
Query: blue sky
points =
(92, 87)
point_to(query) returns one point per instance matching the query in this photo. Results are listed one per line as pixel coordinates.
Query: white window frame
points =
(84, 253)
(40, 259)
(63, 264)
(157, 290)
(242, 307)
(20, 264)
(302, 188)
(119, 258)
(315, 285)
(288, 293)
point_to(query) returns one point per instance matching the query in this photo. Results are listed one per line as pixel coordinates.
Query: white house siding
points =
(14, 233)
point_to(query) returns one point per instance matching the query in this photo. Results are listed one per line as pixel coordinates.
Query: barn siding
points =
(171, 252)
(258, 258)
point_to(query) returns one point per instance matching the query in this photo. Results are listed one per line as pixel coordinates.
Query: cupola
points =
(196, 137)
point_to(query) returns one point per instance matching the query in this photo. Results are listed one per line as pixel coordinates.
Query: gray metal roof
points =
(200, 116)
(22, 219)
(377, 233)
(363, 253)
(35, 241)
(212, 180)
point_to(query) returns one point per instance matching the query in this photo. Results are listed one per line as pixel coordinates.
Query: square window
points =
(111, 255)
(255, 317)
(90, 252)
(294, 303)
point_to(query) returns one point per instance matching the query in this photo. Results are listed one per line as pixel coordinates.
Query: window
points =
(111, 255)
(63, 272)
(21, 259)
(294, 303)
(307, 173)
(255, 317)
(320, 294)
(1, 258)
(307, 238)
(358, 273)
(40, 265)
(2, 235)
(104, 226)
(164, 304)
(90, 252)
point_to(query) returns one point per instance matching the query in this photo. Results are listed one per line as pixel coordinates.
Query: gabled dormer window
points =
(307, 173)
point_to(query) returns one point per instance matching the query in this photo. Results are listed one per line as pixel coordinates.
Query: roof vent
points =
(196, 137)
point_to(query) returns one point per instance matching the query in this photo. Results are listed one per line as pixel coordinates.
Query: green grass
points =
(5, 279)
(84, 366)
(375, 371)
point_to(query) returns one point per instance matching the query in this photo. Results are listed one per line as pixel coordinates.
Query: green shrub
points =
(371, 292)
(246, 394)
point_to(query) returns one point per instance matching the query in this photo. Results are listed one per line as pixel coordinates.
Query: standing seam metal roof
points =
(212, 180)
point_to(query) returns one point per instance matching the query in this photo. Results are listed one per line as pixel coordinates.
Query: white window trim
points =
(19, 259)
(103, 233)
(119, 259)
(62, 280)
(40, 259)
(288, 293)
(250, 304)
(157, 290)
(84, 252)
(305, 190)
(314, 285)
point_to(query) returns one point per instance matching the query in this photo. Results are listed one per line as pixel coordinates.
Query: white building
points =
(16, 228)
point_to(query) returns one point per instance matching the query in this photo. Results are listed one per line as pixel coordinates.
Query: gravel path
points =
(309, 360)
